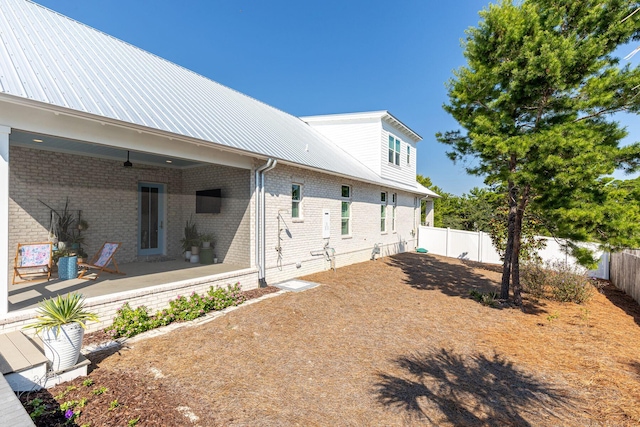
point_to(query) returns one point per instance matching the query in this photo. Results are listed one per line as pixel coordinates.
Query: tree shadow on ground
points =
(426, 272)
(96, 357)
(635, 366)
(621, 300)
(496, 268)
(467, 390)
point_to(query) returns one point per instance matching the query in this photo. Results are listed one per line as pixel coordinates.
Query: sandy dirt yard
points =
(392, 342)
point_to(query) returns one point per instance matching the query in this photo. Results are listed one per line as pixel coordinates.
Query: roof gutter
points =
(260, 229)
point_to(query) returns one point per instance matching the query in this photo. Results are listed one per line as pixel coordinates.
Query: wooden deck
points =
(18, 352)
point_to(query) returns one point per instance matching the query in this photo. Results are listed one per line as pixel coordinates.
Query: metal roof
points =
(52, 59)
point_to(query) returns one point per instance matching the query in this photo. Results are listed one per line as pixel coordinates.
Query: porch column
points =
(4, 219)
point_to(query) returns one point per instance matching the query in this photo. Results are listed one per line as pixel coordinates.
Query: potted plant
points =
(66, 229)
(60, 321)
(207, 240)
(77, 239)
(191, 237)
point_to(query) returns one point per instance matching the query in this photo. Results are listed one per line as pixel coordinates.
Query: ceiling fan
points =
(138, 166)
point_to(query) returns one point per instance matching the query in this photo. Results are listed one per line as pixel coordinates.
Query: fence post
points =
(446, 244)
(479, 246)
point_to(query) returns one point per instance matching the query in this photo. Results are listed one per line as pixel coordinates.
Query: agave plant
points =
(61, 310)
(191, 236)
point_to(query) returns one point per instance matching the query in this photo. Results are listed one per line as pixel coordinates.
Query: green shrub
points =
(220, 298)
(557, 281)
(186, 309)
(578, 290)
(533, 277)
(489, 299)
(39, 408)
(129, 322)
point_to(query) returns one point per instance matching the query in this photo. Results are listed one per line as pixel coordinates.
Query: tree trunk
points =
(515, 260)
(508, 253)
(517, 243)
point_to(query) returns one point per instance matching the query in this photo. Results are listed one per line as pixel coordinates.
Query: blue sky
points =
(310, 57)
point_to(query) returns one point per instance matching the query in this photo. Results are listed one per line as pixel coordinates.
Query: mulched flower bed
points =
(139, 401)
(101, 337)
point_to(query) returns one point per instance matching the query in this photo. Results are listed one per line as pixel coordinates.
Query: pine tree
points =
(535, 102)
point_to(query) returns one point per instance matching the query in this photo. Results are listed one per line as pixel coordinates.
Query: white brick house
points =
(297, 195)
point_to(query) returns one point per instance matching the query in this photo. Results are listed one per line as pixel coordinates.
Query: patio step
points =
(24, 365)
(22, 361)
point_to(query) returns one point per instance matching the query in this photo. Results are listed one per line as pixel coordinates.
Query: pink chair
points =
(33, 259)
(101, 262)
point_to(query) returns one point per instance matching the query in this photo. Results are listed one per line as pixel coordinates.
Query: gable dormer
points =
(377, 139)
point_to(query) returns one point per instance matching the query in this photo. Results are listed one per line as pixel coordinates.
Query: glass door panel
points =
(151, 220)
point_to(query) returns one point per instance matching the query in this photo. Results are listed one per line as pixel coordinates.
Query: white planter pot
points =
(195, 259)
(187, 255)
(206, 245)
(62, 346)
(195, 250)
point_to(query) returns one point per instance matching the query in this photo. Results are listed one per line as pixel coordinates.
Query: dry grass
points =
(398, 341)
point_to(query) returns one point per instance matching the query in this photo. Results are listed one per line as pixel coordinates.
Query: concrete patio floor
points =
(138, 275)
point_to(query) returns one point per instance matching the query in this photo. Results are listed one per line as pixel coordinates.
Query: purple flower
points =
(68, 414)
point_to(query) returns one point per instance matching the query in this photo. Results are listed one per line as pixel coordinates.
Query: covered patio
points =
(108, 175)
(149, 284)
(138, 276)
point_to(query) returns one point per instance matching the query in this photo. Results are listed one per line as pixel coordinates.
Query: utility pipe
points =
(263, 231)
(260, 240)
(258, 180)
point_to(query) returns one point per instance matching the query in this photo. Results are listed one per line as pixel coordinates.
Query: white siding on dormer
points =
(358, 138)
(404, 172)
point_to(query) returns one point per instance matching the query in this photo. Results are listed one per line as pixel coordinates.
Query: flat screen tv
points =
(208, 201)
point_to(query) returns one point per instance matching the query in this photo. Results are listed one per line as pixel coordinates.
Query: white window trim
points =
(300, 217)
(350, 217)
(394, 205)
(383, 210)
(397, 153)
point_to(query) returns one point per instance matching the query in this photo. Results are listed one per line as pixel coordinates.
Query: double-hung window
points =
(394, 204)
(394, 150)
(346, 211)
(408, 154)
(296, 201)
(383, 212)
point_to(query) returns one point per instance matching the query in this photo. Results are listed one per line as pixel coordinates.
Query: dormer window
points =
(394, 150)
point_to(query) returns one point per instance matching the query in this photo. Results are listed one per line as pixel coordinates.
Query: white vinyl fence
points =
(477, 246)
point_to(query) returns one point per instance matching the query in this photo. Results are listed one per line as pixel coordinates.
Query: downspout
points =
(260, 239)
(258, 181)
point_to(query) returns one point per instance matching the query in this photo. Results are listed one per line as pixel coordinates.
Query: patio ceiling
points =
(51, 143)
